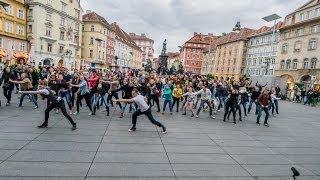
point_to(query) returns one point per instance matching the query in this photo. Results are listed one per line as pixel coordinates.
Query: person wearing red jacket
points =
(93, 82)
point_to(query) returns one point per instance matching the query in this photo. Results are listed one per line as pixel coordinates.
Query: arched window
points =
(288, 64)
(313, 64)
(282, 64)
(306, 63)
(295, 64)
(285, 47)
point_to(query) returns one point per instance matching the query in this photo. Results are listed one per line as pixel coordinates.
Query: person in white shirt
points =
(205, 98)
(143, 108)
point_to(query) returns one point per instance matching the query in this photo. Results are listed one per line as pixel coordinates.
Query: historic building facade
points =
(54, 31)
(123, 48)
(191, 53)
(173, 59)
(298, 59)
(208, 62)
(96, 42)
(13, 42)
(262, 53)
(146, 45)
(231, 53)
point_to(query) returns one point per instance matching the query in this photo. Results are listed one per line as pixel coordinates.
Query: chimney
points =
(210, 34)
(132, 34)
(195, 33)
(88, 11)
(143, 35)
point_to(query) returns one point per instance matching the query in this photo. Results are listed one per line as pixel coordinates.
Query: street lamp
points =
(272, 17)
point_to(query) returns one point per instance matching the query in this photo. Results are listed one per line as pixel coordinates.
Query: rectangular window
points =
(91, 41)
(63, 9)
(49, 49)
(61, 49)
(299, 32)
(30, 28)
(287, 35)
(9, 27)
(8, 9)
(91, 53)
(63, 21)
(20, 14)
(22, 46)
(62, 35)
(1, 42)
(30, 12)
(48, 31)
(312, 44)
(92, 28)
(20, 30)
(314, 28)
(48, 17)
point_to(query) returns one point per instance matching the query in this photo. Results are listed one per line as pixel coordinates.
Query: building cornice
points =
(52, 9)
(310, 21)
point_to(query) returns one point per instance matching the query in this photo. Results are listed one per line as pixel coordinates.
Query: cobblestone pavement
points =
(202, 148)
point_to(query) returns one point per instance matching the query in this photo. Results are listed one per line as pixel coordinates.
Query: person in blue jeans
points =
(26, 85)
(254, 96)
(264, 100)
(167, 95)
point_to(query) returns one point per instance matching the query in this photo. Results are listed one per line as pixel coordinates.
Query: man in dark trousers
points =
(143, 108)
(264, 101)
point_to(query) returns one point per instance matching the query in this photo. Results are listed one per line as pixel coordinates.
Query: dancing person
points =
(205, 97)
(143, 108)
(53, 102)
(7, 85)
(83, 94)
(264, 101)
(177, 95)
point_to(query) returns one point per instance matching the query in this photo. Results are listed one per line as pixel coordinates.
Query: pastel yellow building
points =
(13, 43)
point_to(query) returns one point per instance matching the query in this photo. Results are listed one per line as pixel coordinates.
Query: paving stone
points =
(54, 156)
(248, 150)
(131, 140)
(120, 157)
(68, 138)
(12, 144)
(200, 158)
(61, 146)
(4, 154)
(43, 169)
(18, 136)
(191, 142)
(131, 170)
(261, 159)
(131, 147)
(236, 143)
(297, 151)
(205, 170)
(194, 149)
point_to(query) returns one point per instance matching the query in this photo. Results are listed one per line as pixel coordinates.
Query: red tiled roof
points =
(94, 17)
(265, 29)
(234, 36)
(123, 36)
(142, 37)
(200, 39)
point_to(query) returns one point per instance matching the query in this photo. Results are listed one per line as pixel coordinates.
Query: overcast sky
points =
(176, 20)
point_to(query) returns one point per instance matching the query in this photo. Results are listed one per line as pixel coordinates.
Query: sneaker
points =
(170, 113)
(213, 117)
(92, 114)
(234, 122)
(70, 112)
(158, 111)
(240, 119)
(76, 113)
(7, 104)
(121, 115)
(43, 126)
(107, 114)
(35, 107)
(192, 115)
(266, 124)
(184, 114)
(132, 129)
(224, 120)
(74, 127)
(197, 116)
(258, 123)
(164, 130)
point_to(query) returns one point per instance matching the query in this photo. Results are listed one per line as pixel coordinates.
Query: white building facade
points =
(54, 31)
(123, 53)
(261, 56)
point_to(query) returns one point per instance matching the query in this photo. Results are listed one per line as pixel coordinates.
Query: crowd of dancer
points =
(139, 91)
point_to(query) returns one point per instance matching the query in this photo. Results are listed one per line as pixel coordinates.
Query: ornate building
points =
(262, 53)
(231, 53)
(54, 31)
(98, 42)
(126, 50)
(299, 52)
(173, 59)
(13, 42)
(209, 58)
(146, 45)
(191, 53)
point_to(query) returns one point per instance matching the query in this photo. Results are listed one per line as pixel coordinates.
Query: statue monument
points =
(163, 59)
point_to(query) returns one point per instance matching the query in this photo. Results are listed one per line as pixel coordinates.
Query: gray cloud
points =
(176, 20)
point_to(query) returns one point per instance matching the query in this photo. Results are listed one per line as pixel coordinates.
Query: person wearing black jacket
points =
(7, 85)
(153, 93)
(231, 103)
(254, 96)
(53, 102)
(244, 99)
(126, 88)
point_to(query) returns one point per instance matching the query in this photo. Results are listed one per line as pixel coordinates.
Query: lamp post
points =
(272, 17)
